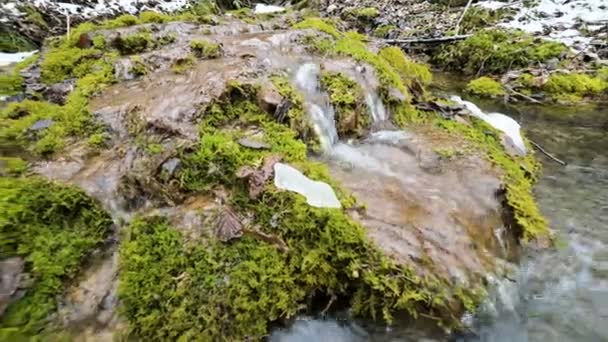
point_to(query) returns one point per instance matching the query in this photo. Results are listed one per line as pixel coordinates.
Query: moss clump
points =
(205, 49)
(122, 21)
(53, 228)
(383, 30)
(366, 14)
(320, 25)
(573, 87)
(409, 70)
(485, 87)
(347, 98)
(519, 175)
(147, 17)
(526, 80)
(68, 62)
(138, 67)
(11, 82)
(134, 43)
(496, 51)
(479, 17)
(12, 166)
(182, 65)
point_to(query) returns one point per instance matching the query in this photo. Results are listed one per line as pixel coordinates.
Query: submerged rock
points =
(318, 194)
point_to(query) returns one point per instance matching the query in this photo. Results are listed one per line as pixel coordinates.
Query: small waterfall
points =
(317, 104)
(376, 108)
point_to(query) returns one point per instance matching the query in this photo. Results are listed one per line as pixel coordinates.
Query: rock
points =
(396, 94)
(171, 166)
(265, 9)
(10, 280)
(58, 92)
(331, 8)
(552, 64)
(93, 293)
(253, 143)
(269, 98)
(41, 125)
(318, 194)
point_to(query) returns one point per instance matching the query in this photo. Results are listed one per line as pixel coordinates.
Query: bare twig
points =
(559, 161)
(68, 26)
(466, 8)
(331, 301)
(427, 40)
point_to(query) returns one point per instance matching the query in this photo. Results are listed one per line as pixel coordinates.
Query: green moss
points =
(134, 43)
(138, 67)
(383, 30)
(318, 45)
(479, 17)
(153, 17)
(183, 64)
(53, 228)
(71, 119)
(122, 21)
(296, 117)
(97, 139)
(518, 176)
(364, 14)
(99, 42)
(320, 25)
(33, 16)
(205, 49)
(12, 166)
(347, 98)
(526, 80)
(485, 87)
(496, 51)
(409, 70)
(573, 87)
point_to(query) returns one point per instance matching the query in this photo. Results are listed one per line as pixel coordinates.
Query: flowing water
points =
(556, 295)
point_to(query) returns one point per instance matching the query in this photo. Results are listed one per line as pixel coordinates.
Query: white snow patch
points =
(499, 121)
(9, 58)
(318, 194)
(264, 9)
(561, 16)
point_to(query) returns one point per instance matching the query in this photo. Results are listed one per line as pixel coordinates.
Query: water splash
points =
(317, 104)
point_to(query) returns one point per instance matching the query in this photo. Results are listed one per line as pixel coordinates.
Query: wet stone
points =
(41, 125)
(10, 280)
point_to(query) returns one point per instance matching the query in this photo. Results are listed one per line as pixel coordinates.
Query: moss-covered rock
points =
(232, 290)
(205, 49)
(11, 82)
(347, 98)
(571, 88)
(496, 51)
(52, 227)
(485, 87)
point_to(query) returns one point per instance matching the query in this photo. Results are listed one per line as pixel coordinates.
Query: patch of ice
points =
(318, 194)
(499, 121)
(9, 58)
(264, 9)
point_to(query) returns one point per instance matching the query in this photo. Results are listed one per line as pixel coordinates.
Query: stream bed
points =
(556, 295)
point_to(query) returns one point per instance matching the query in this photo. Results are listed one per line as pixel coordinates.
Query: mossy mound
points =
(572, 88)
(485, 87)
(52, 227)
(496, 51)
(233, 290)
(11, 82)
(347, 98)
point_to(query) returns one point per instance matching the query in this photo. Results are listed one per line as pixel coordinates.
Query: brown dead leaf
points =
(228, 225)
(256, 178)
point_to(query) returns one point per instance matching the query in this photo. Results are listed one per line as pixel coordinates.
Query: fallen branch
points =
(466, 8)
(559, 161)
(427, 40)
